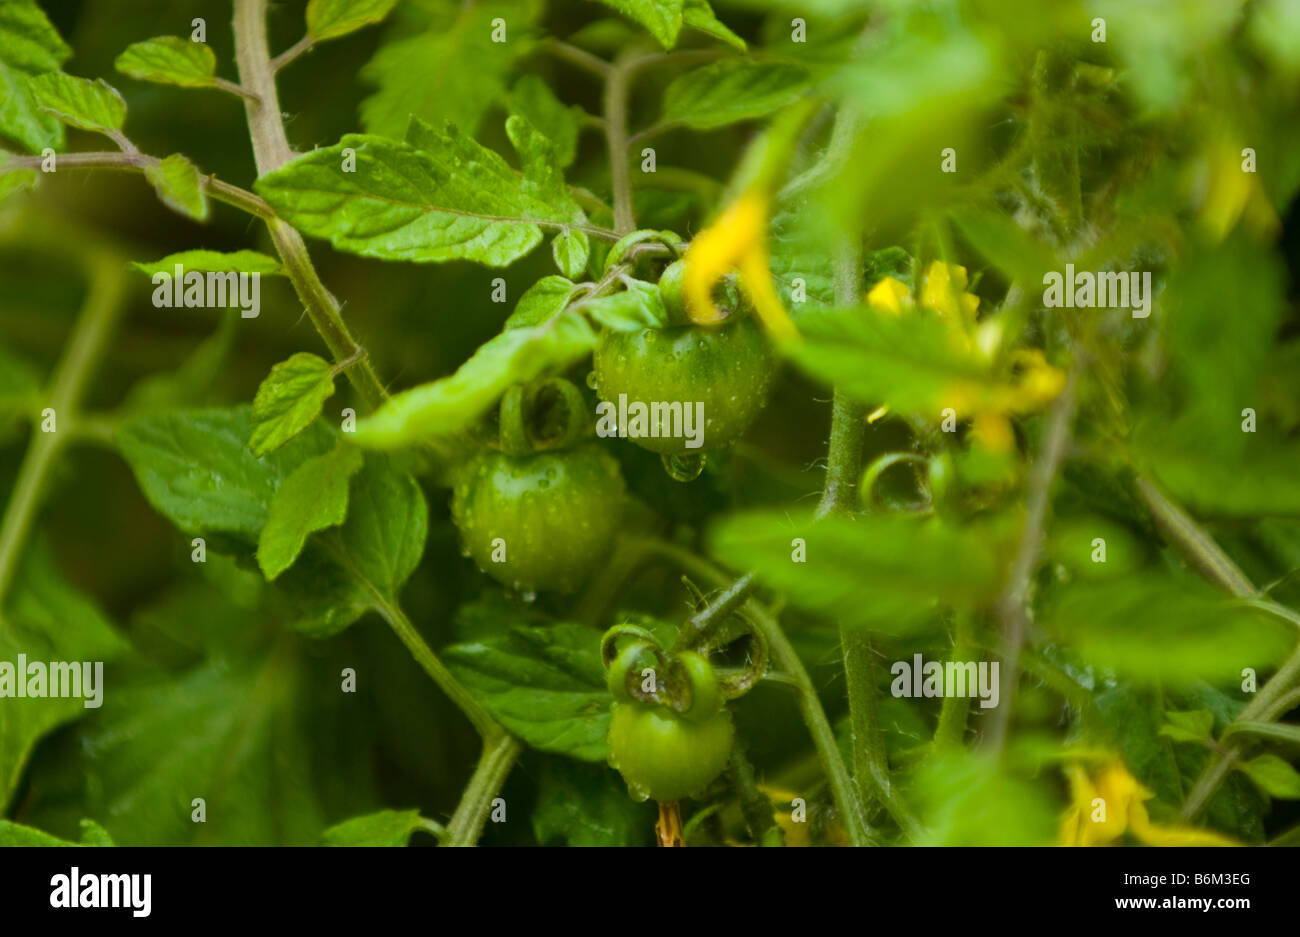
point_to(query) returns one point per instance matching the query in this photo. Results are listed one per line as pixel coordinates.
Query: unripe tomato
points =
(542, 521)
(728, 369)
(664, 756)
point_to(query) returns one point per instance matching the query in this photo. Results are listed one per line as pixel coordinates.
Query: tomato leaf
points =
(329, 19)
(385, 828)
(313, 497)
(289, 400)
(169, 60)
(732, 90)
(546, 685)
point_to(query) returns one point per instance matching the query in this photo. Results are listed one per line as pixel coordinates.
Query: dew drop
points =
(683, 466)
(528, 596)
(591, 379)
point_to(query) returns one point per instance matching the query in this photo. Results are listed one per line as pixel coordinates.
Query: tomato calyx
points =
(546, 414)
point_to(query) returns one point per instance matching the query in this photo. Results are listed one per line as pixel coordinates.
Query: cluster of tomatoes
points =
(540, 507)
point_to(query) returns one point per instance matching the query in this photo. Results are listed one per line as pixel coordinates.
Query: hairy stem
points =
(615, 106)
(1013, 605)
(466, 824)
(1199, 549)
(270, 151)
(843, 465)
(754, 805)
(487, 727)
(139, 162)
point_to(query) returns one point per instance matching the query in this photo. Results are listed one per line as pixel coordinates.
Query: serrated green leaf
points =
(242, 261)
(546, 685)
(633, 309)
(699, 15)
(47, 619)
(886, 572)
(451, 404)
(587, 805)
(730, 91)
(14, 834)
(385, 828)
(570, 250)
(313, 497)
(541, 302)
(452, 71)
(339, 576)
(179, 186)
(663, 18)
(29, 46)
(169, 60)
(532, 99)
(79, 102)
(328, 19)
(289, 400)
(1194, 726)
(451, 199)
(196, 469)
(1274, 776)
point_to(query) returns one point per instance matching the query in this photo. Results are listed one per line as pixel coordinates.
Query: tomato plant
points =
(705, 422)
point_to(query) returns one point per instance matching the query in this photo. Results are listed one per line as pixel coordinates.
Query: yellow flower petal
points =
(735, 241)
(890, 295)
(1173, 835)
(944, 291)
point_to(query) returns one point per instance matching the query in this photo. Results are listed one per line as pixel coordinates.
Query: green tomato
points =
(664, 756)
(543, 521)
(728, 370)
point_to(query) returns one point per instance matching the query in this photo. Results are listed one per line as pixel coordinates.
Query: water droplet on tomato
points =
(683, 466)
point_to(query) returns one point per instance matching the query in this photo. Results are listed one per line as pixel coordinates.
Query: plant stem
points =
(810, 706)
(1199, 549)
(1013, 605)
(487, 727)
(270, 151)
(615, 107)
(715, 612)
(1190, 539)
(288, 55)
(466, 824)
(754, 805)
(575, 56)
(99, 315)
(843, 465)
(138, 162)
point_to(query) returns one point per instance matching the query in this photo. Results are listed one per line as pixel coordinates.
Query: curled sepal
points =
(558, 414)
(547, 414)
(609, 642)
(693, 687)
(669, 239)
(738, 683)
(626, 676)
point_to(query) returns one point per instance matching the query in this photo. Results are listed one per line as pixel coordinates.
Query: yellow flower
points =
(1109, 802)
(944, 293)
(890, 295)
(943, 289)
(736, 241)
